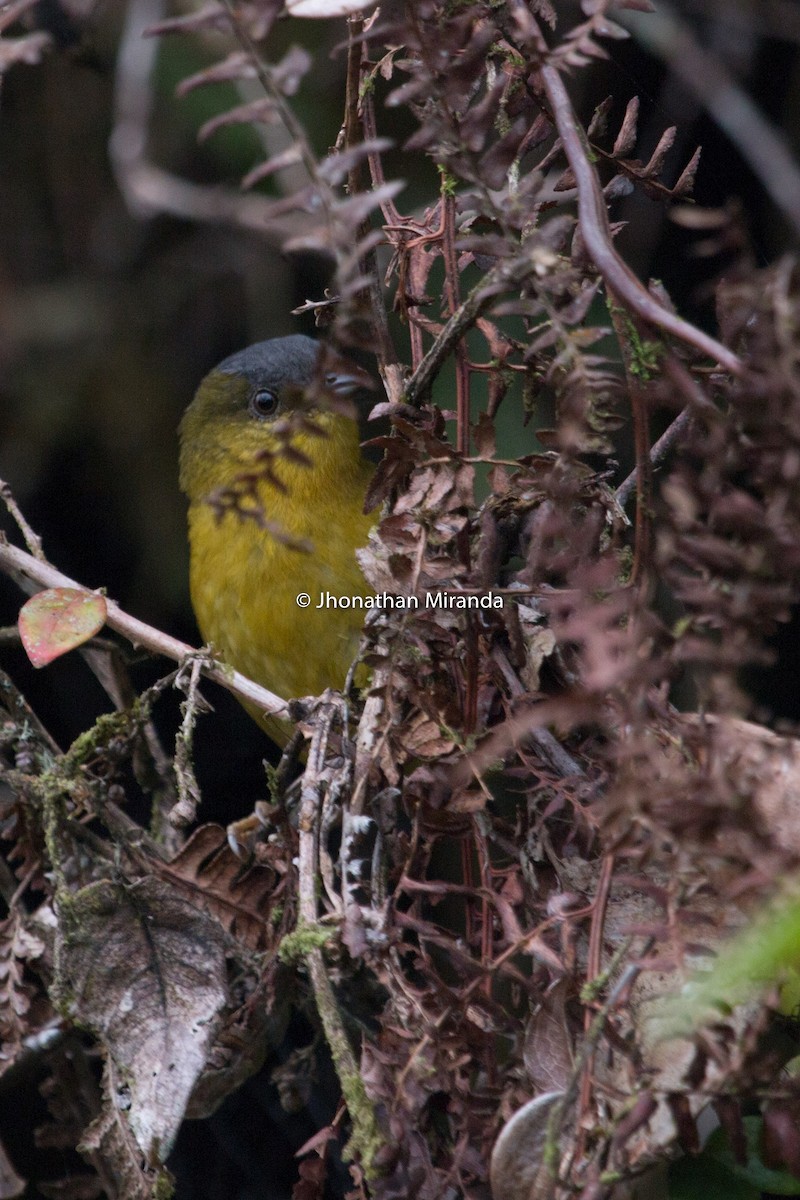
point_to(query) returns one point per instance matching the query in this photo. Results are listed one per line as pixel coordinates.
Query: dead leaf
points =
(147, 970)
(518, 1152)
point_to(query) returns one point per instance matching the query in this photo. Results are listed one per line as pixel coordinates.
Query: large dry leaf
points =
(110, 1147)
(148, 974)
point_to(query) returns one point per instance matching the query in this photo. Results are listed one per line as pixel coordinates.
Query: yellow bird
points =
(245, 581)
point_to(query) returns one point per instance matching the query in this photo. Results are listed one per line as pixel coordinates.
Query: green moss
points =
(644, 355)
(447, 182)
(304, 938)
(273, 783)
(164, 1186)
(107, 727)
(366, 1139)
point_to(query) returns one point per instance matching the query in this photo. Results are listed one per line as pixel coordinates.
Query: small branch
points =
(365, 1138)
(12, 560)
(658, 453)
(550, 750)
(593, 219)
(697, 401)
(547, 1174)
(293, 127)
(627, 329)
(32, 541)
(594, 962)
(149, 189)
(184, 811)
(355, 130)
(507, 273)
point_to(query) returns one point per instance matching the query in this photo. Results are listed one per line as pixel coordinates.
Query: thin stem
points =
(290, 122)
(507, 273)
(625, 331)
(658, 453)
(697, 401)
(355, 130)
(450, 256)
(365, 1134)
(32, 541)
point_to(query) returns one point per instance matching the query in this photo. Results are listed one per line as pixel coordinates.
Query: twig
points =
(184, 811)
(355, 130)
(106, 660)
(596, 234)
(697, 401)
(626, 329)
(451, 288)
(507, 273)
(294, 128)
(12, 559)
(364, 1138)
(547, 1174)
(550, 750)
(659, 451)
(32, 541)
(594, 960)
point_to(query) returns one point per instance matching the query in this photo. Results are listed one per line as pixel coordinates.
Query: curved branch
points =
(593, 218)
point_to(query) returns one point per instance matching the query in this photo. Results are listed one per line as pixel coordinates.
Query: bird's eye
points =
(264, 404)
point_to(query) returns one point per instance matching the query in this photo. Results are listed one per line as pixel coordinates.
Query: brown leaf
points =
(235, 67)
(109, 1141)
(547, 1051)
(423, 739)
(518, 1152)
(212, 877)
(626, 138)
(289, 157)
(147, 974)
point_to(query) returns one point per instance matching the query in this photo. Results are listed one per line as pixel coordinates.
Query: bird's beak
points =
(342, 377)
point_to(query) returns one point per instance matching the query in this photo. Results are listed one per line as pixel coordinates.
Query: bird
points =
(269, 418)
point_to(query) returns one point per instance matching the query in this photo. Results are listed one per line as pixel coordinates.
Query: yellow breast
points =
(245, 582)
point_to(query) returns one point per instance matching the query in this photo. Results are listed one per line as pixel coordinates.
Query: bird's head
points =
(255, 401)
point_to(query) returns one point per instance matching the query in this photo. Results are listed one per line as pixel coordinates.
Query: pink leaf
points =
(58, 620)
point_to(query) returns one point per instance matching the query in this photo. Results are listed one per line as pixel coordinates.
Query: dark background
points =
(109, 319)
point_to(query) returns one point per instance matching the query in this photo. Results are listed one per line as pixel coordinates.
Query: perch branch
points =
(15, 561)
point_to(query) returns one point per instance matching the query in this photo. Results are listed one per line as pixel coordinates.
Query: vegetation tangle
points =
(531, 823)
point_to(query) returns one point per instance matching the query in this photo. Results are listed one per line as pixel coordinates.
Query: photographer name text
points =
(442, 599)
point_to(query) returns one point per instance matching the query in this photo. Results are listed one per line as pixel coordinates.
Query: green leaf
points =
(699, 1177)
(716, 1175)
(57, 620)
(779, 1183)
(764, 954)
